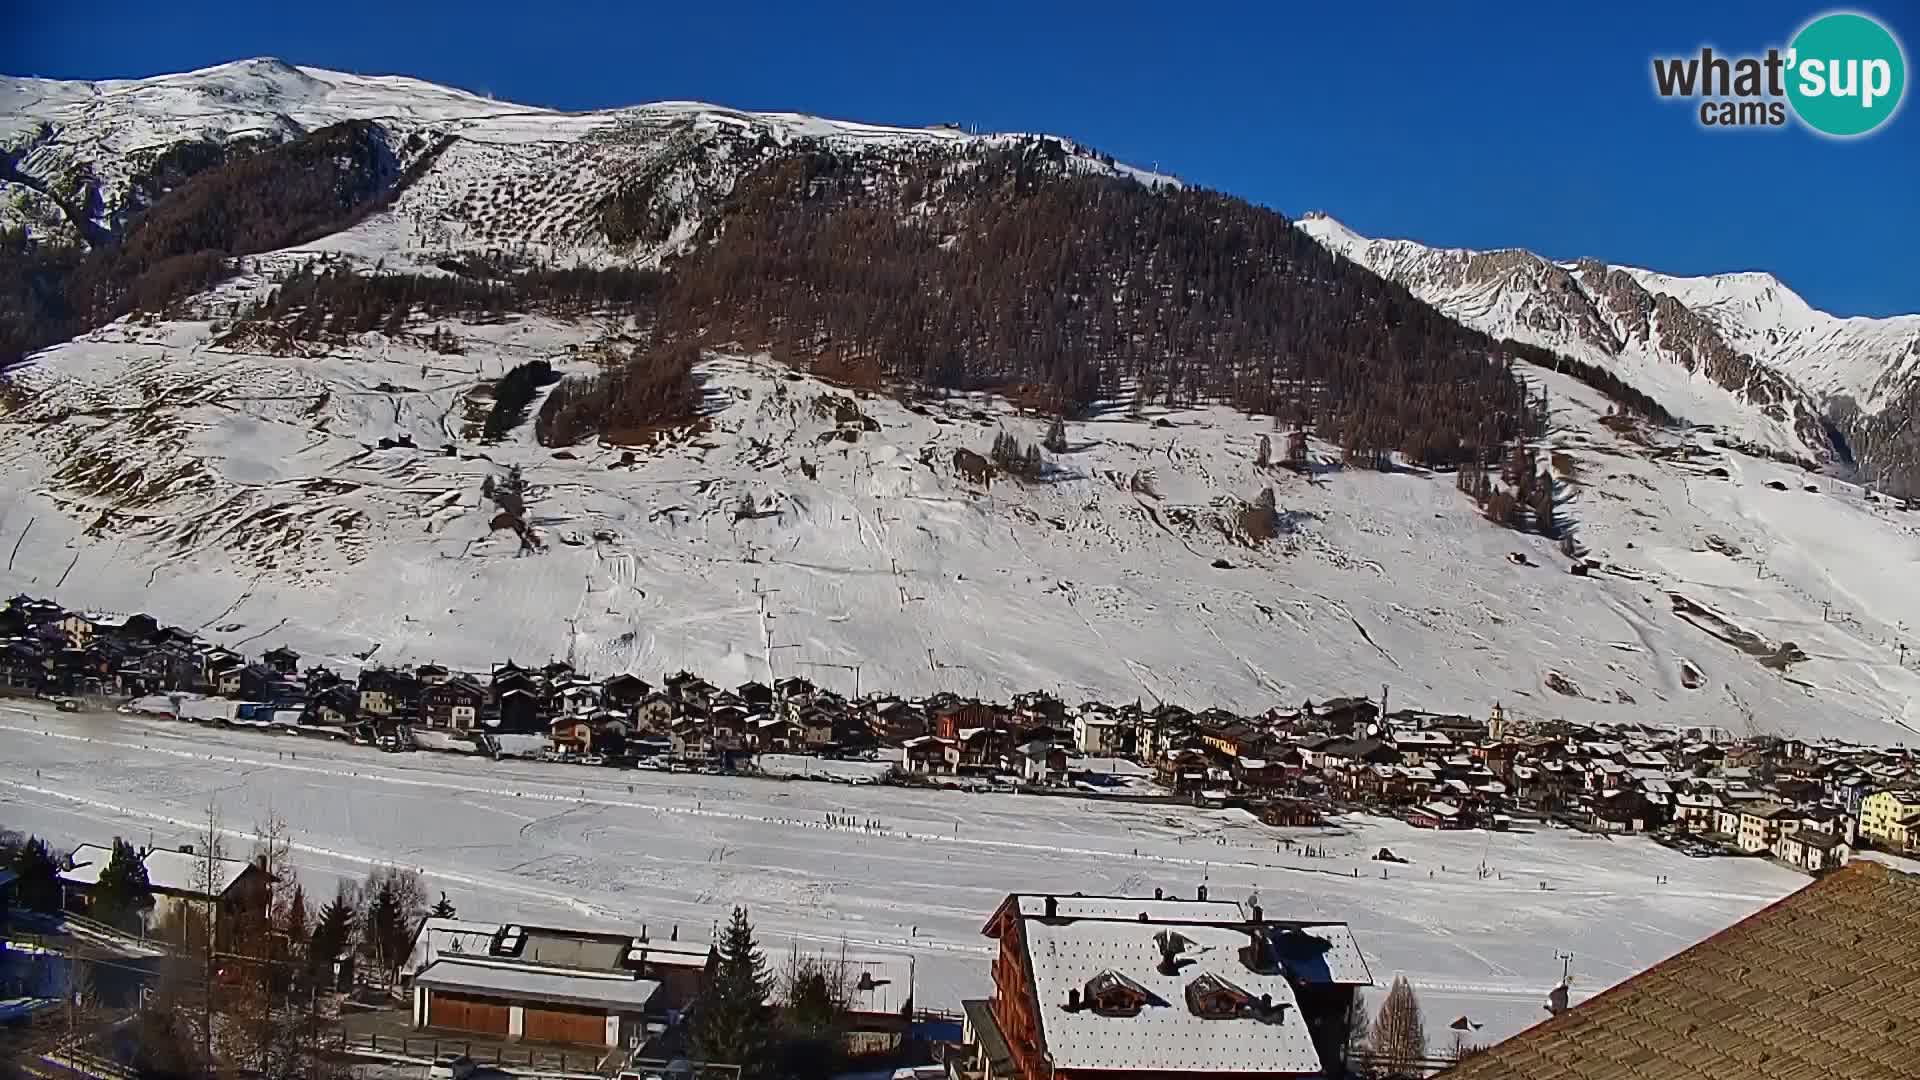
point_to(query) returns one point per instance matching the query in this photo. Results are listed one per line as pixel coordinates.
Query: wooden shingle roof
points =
(1823, 985)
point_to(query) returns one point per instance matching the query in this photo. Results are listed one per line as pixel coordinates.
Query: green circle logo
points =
(1847, 74)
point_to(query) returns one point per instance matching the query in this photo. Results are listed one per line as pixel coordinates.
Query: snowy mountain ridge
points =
(1739, 351)
(87, 143)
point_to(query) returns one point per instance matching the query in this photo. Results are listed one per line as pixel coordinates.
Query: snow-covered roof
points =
(1321, 953)
(1170, 909)
(177, 871)
(440, 937)
(1166, 1035)
(88, 861)
(539, 984)
(671, 952)
(167, 871)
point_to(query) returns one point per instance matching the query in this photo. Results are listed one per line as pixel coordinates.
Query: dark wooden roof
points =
(1823, 985)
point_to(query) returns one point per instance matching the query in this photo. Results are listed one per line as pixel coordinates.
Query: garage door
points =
(459, 1012)
(565, 1024)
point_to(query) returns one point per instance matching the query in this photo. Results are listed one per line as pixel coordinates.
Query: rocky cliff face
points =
(1739, 352)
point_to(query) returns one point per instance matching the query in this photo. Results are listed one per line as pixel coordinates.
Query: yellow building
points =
(1883, 815)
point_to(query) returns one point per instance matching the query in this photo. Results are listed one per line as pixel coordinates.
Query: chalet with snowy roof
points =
(1099, 732)
(1341, 715)
(1110, 987)
(388, 693)
(774, 734)
(1759, 825)
(952, 717)
(984, 749)
(511, 676)
(892, 720)
(549, 985)
(624, 690)
(181, 880)
(516, 711)
(282, 660)
(1041, 762)
(929, 754)
(1436, 814)
(1266, 774)
(454, 704)
(1812, 850)
(654, 713)
(335, 706)
(689, 692)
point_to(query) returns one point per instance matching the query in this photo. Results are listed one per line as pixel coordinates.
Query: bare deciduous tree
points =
(1399, 1039)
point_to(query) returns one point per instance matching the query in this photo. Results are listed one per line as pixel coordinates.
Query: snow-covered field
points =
(575, 845)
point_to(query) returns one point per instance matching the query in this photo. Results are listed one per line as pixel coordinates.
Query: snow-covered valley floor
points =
(570, 845)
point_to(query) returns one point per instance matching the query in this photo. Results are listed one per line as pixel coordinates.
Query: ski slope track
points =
(330, 499)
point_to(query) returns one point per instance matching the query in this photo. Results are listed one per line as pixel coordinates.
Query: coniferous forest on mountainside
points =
(1002, 269)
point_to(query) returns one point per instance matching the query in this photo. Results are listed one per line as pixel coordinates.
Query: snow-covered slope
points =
(247, 495)
(330, 496)
(1740, 351)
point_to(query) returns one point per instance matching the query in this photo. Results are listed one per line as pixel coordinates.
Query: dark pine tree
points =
(443, 909)
(123, 893)
(332, 932)
(37, 887)
(729, 1023)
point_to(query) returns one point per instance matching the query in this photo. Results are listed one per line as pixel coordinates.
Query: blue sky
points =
(1490, 124)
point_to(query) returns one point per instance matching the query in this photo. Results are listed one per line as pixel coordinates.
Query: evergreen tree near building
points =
(443, 909)
(123, 893)
(294, 922)
(37, 885)
(332, 932)
(729, 1023)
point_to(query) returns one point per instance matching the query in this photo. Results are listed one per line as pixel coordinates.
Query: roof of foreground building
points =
(1823, 985)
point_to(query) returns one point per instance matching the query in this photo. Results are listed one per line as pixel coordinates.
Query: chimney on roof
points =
(1203, 894)
(643, 931)
(1156, 892)
(1171, 945)
(1256, 914)
(1073, 1001)
(1053, 907)
(675, 936)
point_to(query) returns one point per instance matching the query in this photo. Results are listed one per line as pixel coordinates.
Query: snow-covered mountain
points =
(326, 491)
(92, 144)
(1741, 352)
